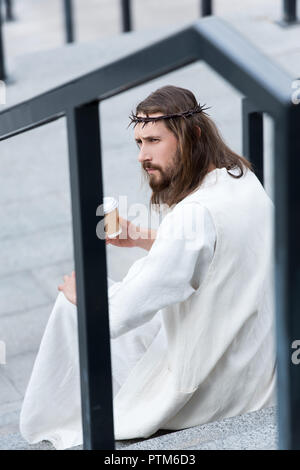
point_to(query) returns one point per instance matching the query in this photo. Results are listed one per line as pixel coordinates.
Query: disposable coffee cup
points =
(111, 217)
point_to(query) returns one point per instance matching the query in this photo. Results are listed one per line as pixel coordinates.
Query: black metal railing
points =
(9, 16)
(206, 7)
(266, 89)
(69, 20)
(252, 120)
(289, 12)
(2, 57)
(126, 15)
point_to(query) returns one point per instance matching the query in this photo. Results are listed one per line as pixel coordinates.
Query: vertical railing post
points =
(206, 7)
(91, 277)
(289, 11)
(2, 60)
(69, 20)
(126, 15)
(287, 271)
(253, 137)
(9, 10)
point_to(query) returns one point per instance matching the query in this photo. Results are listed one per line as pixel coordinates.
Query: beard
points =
(162, 180)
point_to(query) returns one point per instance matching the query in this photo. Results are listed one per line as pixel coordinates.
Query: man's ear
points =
(198, 131)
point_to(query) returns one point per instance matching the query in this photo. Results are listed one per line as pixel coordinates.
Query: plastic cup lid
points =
(110, 203)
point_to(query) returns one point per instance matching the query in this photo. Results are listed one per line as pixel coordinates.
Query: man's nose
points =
(144, 155)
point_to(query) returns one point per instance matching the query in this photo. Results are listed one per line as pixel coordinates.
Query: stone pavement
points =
(36, 236)
(256, 430)
(39, 24)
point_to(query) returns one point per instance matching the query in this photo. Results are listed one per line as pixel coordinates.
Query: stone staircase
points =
(35, 210)
(251, 431)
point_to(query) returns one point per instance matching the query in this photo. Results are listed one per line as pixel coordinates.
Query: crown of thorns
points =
(136, 119)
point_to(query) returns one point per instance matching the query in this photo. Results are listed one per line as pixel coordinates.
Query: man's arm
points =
(163, 277)
(147, 239)
(133, 236)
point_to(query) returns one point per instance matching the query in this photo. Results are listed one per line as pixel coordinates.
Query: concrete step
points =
(34, 73)
(251, 431)
(9, 416)
(95, 20)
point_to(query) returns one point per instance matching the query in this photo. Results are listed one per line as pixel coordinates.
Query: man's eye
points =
(154, 140)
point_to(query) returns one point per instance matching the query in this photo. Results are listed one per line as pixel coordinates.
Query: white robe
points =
(145, 346)
(54, 383)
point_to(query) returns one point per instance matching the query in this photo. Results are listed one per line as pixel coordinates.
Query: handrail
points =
(267, 89)
(126, 15)
(102, 83)
(2, 59)
(9, 14)
(192, 43)
(206, 7)
(289, 11)
(69, 21)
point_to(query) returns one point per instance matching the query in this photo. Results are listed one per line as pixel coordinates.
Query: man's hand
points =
(69, 287)
(128, 237)
(132, 236)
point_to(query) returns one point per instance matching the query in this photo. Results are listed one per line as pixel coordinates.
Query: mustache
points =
(150, 166)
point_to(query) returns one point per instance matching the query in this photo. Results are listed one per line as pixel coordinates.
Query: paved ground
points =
(36, 238)
(252, 431)
(40, 23)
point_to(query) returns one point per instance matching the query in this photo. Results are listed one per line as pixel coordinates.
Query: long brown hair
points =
(195, 152)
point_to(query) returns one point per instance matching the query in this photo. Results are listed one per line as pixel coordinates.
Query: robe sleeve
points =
(169, 273)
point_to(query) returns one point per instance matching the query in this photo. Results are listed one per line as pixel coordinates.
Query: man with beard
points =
(191, 323)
